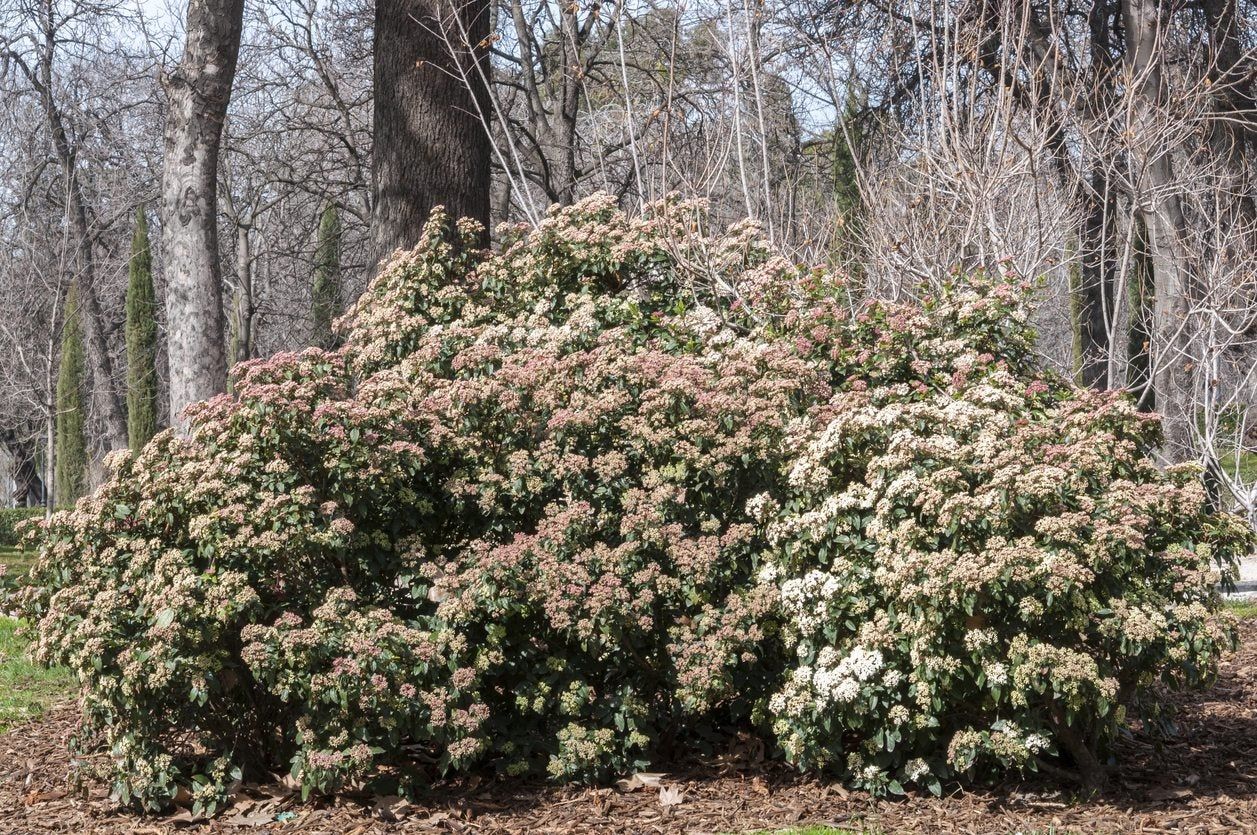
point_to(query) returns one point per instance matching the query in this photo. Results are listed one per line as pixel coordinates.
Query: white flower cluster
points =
(1036, 742)
(996, 673)
(806, 599)
(761, 506)
(916, 769)
(838, 680)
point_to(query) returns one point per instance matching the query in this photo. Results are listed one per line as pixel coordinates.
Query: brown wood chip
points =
(1205, 781)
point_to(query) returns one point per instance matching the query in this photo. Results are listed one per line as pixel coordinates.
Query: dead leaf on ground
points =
(671, 796)
(391, 807)
(43, 797)
(641, 780)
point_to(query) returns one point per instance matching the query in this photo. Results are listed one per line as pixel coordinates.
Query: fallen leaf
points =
(250, 819)
(641, 780)
(391, 807)
(43, 797)
(671, 796)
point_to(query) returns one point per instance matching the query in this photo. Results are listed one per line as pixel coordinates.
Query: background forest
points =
(1102, 149)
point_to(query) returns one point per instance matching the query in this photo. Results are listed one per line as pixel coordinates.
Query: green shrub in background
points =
(141, 333)
(70, 459)
(325, 292)
(610, 494)
(10, 518)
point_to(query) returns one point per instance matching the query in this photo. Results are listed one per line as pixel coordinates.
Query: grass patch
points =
(1243, 609)
(17, 562)
(26, 689)
(1247, 469)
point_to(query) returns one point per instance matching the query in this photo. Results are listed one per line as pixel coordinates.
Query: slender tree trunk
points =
(105, 398)
(1159, 205)
(1139, 337)
(50, 462)
(242, 303)
(430, 146)
(199, 90)
(563, 157)
(1097, 278)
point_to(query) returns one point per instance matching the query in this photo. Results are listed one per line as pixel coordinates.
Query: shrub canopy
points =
(616, 490)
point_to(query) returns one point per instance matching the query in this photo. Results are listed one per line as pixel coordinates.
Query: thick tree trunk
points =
(1232, 132)
(1160, 207)
(199, 90)
(28, 490)
(430, 145)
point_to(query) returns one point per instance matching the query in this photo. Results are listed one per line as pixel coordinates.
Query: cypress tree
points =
(325, 306)
(849, 143)
(70, 467)
(141, 331)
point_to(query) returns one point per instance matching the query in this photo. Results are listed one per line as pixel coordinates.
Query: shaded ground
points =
(1205, 782)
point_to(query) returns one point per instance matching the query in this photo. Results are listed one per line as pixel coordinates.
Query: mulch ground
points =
(1205, 781)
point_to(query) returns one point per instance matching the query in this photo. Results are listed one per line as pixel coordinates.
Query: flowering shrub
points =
(978, 568)
(581, 503)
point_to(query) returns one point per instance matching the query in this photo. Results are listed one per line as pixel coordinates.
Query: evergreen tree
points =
(141, 339)
(70, 454)
(326, 291)
(849, 143)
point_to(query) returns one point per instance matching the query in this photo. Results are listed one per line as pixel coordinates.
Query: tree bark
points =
(199, 90)
(1098, 277)
(1139, 336)
(1232, 131)
(28, 488)
(242, 308)
(430, 144)
(1159, 205)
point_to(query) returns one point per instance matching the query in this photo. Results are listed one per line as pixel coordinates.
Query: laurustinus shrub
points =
(615, 490)
(979, 569)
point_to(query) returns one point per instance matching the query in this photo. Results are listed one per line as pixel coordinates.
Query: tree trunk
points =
(28, 488)
(199, 90)
(1139, 337)
(1232, 131)
(1098, 276)
(242, 303)
(1159, 205)
(105, 398)
(430, 145)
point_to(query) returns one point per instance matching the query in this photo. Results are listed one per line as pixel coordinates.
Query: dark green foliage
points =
(141, 331)
(325, 306)
(10, 518)
(70, 477)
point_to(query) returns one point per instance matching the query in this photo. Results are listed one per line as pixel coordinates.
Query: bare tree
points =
(39, 33)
